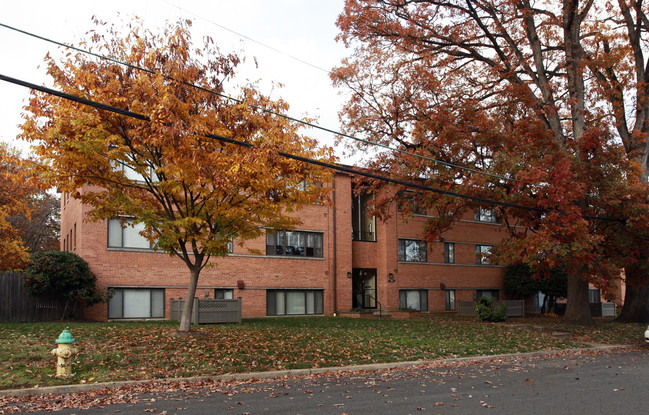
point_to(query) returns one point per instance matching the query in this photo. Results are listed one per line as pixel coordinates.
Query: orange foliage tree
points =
(532, 94)
(18, 185)
(193, 194)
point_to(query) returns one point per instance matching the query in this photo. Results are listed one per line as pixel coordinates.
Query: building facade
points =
(339, 259)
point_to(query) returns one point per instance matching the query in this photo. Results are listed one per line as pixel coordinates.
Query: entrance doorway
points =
(364, 287)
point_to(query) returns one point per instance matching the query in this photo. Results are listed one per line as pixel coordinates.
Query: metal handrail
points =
(379, 303)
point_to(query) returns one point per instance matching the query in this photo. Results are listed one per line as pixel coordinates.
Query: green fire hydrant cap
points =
(65, 337)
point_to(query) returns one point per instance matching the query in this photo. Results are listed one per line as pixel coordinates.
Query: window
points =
(594, 296)
(137, 303)
(413, 300)
(294, 243)
(230, 246)
(486, 215)
(482, 253)
(410, 202)
(131, 174)
(363, 225)
(412, 250)
(489, 294)
(294, 302)
(223, 293)
(450, 300)
(449, 253)
(127, 237)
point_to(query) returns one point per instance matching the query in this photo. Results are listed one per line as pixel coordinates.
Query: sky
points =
(292, 41)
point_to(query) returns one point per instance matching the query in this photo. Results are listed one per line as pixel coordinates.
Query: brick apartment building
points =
(339, 259)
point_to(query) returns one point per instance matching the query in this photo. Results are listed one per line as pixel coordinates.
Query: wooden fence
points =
(208, 311)
(17, 306)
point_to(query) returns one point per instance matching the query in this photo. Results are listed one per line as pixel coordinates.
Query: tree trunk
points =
(578, 309)
(186, 319)
(636, 298)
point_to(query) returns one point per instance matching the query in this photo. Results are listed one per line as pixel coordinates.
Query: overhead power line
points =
(335, 167)
(306, 123)
(248, 38)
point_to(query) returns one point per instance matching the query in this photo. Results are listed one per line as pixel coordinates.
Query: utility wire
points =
(336, 167)
(248, 38)
(308, 124)
(74, 98)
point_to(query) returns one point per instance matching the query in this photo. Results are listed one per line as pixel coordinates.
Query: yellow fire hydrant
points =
(65, 353)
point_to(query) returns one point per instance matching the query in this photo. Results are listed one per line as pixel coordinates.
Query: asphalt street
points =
(587, 383)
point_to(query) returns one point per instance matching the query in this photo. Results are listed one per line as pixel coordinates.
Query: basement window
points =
(294, 302)
(136, 303)
(413, 300)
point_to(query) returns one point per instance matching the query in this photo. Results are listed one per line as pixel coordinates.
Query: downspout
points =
(335, 264)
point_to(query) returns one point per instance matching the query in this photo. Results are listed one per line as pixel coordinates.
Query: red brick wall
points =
(123, 268)
(343, 251)
(464, 275)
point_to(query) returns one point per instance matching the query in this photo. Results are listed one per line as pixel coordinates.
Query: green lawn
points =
(144, 350)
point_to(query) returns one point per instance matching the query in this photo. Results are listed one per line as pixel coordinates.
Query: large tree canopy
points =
(193, 194)
(533, 93)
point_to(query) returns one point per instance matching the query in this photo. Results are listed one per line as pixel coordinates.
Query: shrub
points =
(487, 311)
(65, 276)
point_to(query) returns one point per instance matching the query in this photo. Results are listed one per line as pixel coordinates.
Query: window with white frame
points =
(449, 253)
(294, 302)
(127, 236)
(294, 243)
(412, 250)
(482, 254)
(136, 303)
(450, 300)
(413, 300)
(486, 215)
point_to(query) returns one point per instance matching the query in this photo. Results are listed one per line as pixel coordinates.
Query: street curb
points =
(64, 389)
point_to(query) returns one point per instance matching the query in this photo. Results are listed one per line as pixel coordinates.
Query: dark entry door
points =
(364, 287)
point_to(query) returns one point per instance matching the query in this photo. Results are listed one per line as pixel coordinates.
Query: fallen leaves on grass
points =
(145, 350)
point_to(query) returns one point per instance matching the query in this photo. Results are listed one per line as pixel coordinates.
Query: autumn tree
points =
(18, 187)
(514, 89)
(618, 59)
(193, 193)
(40, 231)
